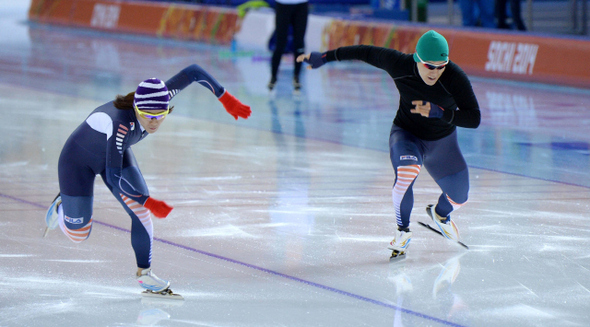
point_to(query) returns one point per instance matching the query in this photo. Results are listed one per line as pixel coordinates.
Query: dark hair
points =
(125, 102)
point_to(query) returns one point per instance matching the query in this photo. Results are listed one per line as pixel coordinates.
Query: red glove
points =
(159, 208)
(234, 106)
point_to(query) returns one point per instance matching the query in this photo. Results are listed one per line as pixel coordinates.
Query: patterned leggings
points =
(77, 171)
(443, 160)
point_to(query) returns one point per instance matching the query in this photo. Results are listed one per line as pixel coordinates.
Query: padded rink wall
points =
(167, 20)
(496, 54)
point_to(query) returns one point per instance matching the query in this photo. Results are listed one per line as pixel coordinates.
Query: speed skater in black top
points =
(101, 145)
(435, 97)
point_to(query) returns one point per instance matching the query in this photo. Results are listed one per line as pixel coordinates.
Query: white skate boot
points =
(400, 244)
(447, 227)
(156, 286)
(52, 215)
(151, 282)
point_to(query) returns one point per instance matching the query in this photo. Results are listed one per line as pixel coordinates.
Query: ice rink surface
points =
(283, 219)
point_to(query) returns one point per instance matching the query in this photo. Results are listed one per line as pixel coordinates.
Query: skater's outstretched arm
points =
(464, 112)
(379, 57)
(314, 59)
(194, 73)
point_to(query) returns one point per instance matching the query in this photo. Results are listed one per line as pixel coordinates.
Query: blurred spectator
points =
(514, 11)
(289, 14)
(478, 13)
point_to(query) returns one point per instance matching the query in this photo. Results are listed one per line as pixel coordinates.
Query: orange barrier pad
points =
(186, 22)
(513, 56)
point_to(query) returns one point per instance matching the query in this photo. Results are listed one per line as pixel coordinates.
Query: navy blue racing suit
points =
(101, 145)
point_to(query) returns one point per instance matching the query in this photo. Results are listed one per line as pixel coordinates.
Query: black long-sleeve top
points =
(452, 92)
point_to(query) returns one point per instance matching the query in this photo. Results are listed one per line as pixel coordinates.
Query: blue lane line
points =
(268, 271)
(293, 278)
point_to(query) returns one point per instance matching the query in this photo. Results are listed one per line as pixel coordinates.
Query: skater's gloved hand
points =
(159, 208)
(427, 109)
(315, 59)
(234, 106)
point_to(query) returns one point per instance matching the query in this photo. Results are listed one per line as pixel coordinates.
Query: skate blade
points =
(46, 231)
(397, 256)
(441, 234)
(164, 295)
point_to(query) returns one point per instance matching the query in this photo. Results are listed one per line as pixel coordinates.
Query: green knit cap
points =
(432, 47)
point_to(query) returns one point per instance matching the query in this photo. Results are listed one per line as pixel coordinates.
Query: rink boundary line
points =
(265, 270)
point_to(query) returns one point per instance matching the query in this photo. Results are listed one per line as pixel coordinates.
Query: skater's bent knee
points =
(457, 204)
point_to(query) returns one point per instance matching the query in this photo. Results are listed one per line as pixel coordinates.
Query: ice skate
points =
(155, 286)
(445, 224)
(400, 244)
(447, 228)
(296, 86)
(52, 215)
(271, 84)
